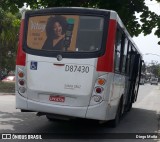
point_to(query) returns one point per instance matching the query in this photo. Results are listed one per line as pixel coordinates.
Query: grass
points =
(7, 87)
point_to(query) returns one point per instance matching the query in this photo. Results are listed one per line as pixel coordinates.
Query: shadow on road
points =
(136, 121)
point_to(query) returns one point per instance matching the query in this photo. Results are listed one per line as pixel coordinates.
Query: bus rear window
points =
(67, 33)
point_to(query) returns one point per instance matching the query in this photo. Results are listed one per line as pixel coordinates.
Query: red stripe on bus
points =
(21, 55)
(106, 62)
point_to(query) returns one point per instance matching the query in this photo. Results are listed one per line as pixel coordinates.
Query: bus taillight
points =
(101, 81)
(99, 87)
(97, 98)
(98, 90)
(21, 81)
(20, 74)
(22, 90)
(20, 62)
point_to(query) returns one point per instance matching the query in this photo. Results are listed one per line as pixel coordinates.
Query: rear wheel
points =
(116, 121)
(129, 106)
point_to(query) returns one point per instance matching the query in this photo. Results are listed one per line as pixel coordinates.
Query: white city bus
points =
(76, 63)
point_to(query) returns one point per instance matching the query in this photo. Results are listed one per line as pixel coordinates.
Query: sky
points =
(149, 43)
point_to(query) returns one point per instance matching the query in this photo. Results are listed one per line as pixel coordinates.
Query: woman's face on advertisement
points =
(57, 29)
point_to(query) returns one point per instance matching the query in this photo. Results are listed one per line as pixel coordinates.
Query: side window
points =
(117, 51)
(127, 68)
(131, 56)
(124, 54)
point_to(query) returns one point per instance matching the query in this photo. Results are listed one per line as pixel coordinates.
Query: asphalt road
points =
(143, 118)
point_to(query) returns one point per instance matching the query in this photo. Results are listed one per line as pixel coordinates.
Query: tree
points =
(154, 69)
(9, 27)
(125, 8)
(158, 74)
(143, 68)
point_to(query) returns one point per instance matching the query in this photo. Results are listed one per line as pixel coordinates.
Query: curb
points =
(2, 94)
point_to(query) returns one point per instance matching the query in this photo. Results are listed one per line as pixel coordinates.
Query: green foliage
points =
(158, 71)
(9, 23)
(8, 39)
(125, 8)
(154, 69)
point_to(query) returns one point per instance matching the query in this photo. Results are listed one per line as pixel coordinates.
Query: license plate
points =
(57, 98)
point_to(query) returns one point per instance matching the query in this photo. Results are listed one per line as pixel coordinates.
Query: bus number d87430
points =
(75, 68)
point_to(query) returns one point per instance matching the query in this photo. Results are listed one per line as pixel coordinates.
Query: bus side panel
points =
(118, 88)
(112, 93)
(106, 62)
(21, 102)
(104, 108)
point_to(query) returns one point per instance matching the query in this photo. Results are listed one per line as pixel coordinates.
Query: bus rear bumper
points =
(23, 103)
(97, 112)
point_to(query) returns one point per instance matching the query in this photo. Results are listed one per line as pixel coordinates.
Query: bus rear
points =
(62, 64)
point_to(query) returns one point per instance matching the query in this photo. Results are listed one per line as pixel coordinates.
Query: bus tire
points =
(129, 106)
(116, 121)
